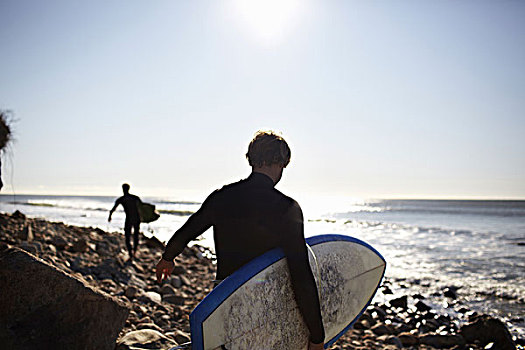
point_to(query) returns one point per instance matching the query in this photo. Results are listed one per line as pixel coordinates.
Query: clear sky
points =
(376, 98)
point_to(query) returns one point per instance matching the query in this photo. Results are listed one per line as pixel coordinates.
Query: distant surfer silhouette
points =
(130, 203)
(251, 217)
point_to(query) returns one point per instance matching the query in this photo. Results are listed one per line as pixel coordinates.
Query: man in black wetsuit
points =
(251, 217)
(130, 203)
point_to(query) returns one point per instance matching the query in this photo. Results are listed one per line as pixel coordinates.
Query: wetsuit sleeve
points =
(197, 223)
(117, 202)
(303, 283)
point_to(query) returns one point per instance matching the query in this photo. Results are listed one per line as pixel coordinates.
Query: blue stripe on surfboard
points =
(233, 282)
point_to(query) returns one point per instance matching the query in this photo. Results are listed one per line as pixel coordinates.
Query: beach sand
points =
(159, 314)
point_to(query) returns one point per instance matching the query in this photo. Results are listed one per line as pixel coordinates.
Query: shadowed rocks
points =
(158, 318)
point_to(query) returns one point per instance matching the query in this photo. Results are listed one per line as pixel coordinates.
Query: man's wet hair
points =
(268, 148)
(125, 187)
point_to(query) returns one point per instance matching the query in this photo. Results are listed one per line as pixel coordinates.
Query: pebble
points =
(131, 292)
(401, 302)
(381, 329)
(167, 289)
(176, 282)
(153, 296)
(173, 299)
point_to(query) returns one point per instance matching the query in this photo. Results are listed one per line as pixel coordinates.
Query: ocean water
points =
(476, 245)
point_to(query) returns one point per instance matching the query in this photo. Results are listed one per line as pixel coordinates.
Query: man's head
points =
(125, 188)
(268, 153)
(268, 148)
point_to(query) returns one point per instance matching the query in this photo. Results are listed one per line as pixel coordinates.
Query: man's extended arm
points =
(117, 202)
(303, 282)
(199, 222)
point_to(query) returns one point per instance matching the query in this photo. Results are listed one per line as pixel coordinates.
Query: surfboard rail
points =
(312, 241)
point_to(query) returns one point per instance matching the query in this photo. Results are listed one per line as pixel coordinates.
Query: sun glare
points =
(269, 20)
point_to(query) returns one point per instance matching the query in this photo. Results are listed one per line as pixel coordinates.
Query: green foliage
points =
(5, 129)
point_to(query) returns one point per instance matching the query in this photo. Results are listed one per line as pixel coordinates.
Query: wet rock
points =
(94, 236)
(487, 329)
(153, 242)
(178, 270)
(167, 289)
(180, 336)
(137, 282)
(52, 249)
(450, 293)
(402, 327)
(363, 324)
(366, 317)
(471, 315)
(59, 242)
(381, 329)
(422, 307)
(442, 341)
(28, 247)
(401, 302)
(173, 299)
(185, 281)
(430, 324)
(26, 234)
(176, 282)
(392, 340)
(378, 313)
(131, 292)
(43, 307)
(386, 290)
(18, 215)
(154, 297)
(80, 246)
(463, 310)
(408, 339)
(155, 288)
(145, 319)
(109, 284)
(149, 325)
(150, 337)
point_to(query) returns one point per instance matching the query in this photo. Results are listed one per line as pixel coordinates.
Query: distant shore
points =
(99, 258)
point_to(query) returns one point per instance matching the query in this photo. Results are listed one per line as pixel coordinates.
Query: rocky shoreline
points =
(159, 314)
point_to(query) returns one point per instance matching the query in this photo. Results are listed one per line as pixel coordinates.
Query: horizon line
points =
(371, 198)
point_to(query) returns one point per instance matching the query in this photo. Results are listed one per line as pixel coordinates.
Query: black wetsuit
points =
(130, 204)
(249, 218)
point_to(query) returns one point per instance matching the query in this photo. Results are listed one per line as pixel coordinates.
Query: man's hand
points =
(164, 269)
(312, 346)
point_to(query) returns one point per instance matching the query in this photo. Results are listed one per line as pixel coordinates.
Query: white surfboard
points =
(254, 308)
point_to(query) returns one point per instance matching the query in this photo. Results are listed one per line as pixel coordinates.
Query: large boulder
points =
(45, 308)
(487, 329)
(440, 341)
